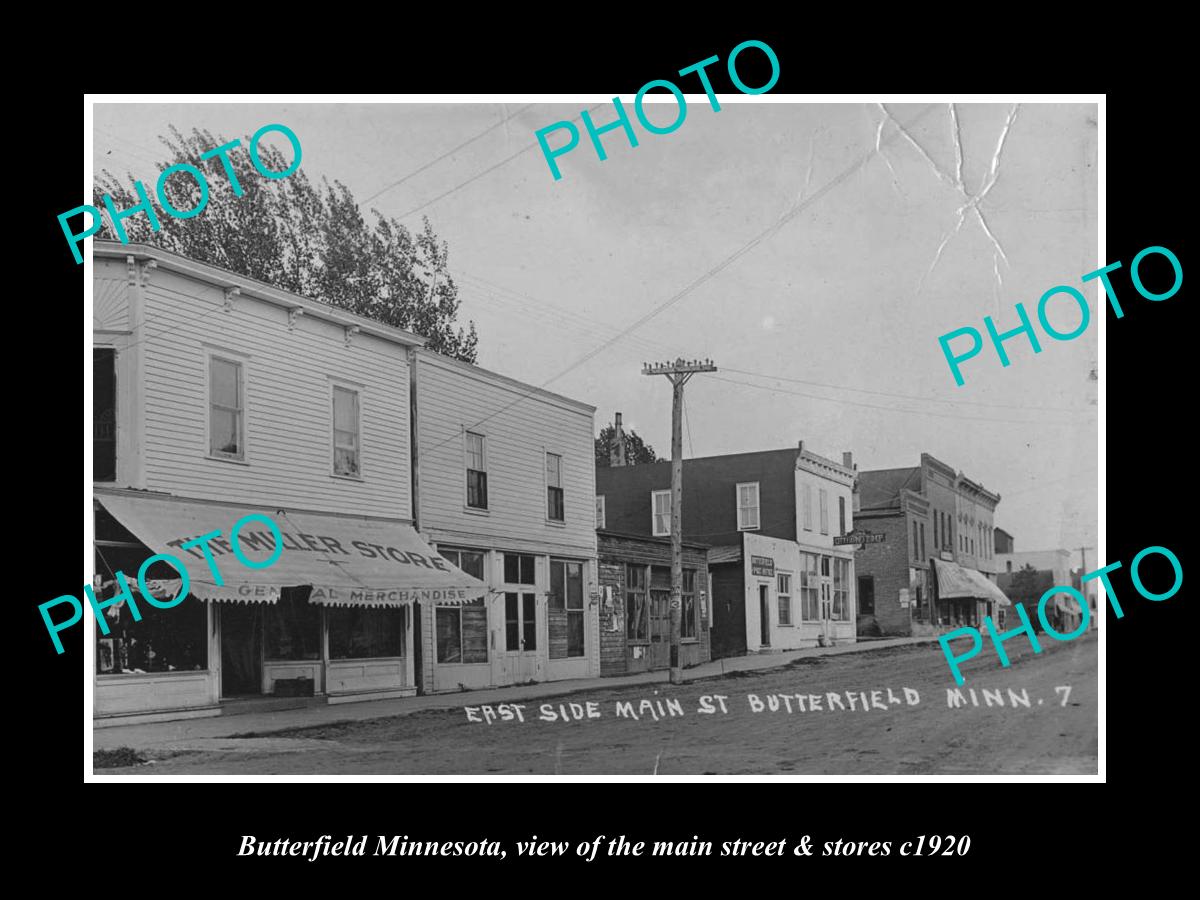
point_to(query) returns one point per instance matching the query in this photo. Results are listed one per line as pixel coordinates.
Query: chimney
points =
(848, 459)
(800, 446)
(616, 452)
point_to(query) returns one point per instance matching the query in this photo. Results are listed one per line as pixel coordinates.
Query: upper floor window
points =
(841, 515)
(806, 503)
(747, 506)
(477, 497)
(226, 399)
(824, 511)
(784, 595)
(104, 414)
(345, 432)
(600, 511)
(660, 504)
(554, 488)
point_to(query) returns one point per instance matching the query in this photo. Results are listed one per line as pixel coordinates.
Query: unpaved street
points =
(903, 738)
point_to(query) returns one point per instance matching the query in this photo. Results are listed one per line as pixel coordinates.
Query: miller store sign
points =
(859, 536)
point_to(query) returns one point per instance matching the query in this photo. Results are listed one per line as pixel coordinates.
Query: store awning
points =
(346, 561)
(955, 581)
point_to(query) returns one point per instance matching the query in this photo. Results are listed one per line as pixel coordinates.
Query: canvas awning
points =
(346, 561)
(955, 581)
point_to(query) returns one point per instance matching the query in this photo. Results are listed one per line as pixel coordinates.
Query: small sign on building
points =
(762, 565)
(904, 601)
(859, 536)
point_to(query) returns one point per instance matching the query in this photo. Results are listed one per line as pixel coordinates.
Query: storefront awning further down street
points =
(955, 581)
(346, 561)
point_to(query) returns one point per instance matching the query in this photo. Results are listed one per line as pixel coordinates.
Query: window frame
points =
(841, 515)
(654, 495)
(566, 608)
(807, 507)
(467, 470)
(601, 512)
(862, 610)
(356, 390)
(823, 499)
(214, 355)
(757, 507)
(781, 595)
(457, 552)
(116, 412)
(550, 488)
(684, 619)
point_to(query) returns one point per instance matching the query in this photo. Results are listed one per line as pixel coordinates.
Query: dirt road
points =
(844, 714)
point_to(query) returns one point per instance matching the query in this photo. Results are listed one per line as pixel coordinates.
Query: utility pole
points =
(679, 373)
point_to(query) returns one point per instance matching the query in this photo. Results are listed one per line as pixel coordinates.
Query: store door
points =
(660, 629)
(764, 615)
(241, 649)
(518, 652)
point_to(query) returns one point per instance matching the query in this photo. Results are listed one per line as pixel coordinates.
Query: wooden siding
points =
(288, 426)
(519, 430)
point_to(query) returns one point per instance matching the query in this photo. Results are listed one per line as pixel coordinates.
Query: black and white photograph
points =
(679, 435)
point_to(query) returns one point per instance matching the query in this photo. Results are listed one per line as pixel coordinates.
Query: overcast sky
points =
(847, 264)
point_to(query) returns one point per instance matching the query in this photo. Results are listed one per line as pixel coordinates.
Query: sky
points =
(814, 251)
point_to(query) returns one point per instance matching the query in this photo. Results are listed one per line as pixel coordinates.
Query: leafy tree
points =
(1026, 587)
(637, 451)
(308, 239)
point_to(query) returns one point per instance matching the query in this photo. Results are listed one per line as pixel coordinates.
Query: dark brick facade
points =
(615, 552)
(710, 495)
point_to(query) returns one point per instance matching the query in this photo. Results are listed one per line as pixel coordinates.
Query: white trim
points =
(241, 360)
(654, 514)
(757, 506)
(476, 510)
(354, 388)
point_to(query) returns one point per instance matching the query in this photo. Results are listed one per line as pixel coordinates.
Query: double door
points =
(515, 656)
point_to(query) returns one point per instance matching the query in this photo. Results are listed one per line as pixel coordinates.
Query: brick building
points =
(935, 567)
(635, 594)
(778, 579)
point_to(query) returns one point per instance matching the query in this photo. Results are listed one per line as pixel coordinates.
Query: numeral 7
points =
(1065, 690)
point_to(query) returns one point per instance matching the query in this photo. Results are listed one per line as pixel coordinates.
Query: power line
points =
(915, 412)
(839, 387)
(444, 155)
(473, 178)
(796, 209)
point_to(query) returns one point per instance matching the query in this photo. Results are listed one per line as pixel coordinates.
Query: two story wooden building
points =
(505, 488)
(217, 397)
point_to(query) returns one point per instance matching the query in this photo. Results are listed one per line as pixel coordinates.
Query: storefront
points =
(635, 598)
(329, 616)
(963, 597)
(534, 623)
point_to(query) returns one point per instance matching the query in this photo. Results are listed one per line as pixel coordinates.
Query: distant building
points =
(1003, 544)
(935, 566)
(1054, 569)
(779, 579)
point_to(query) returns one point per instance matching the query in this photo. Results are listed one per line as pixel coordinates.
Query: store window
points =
(841, 590)
(165, 640)
(292, 626)
(784, 591)
(554, 488)
(462, 631)
(366, 632)
(104, 414)
(565, 605)
(660, 503)
(810, 590)
(748, 509)
(519, 568)
(477, 494)
(687, 622)
(637, 614)
(866, 594)
(226, 430)
(345, 432)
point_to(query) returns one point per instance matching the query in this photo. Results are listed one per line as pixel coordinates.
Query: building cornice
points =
(237, 286)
